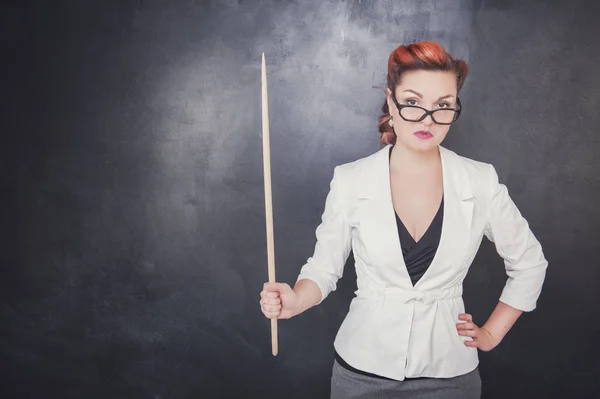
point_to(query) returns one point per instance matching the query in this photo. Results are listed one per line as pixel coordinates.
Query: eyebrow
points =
(421, 96)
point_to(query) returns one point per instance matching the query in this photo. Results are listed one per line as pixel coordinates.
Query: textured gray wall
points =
(133, 196)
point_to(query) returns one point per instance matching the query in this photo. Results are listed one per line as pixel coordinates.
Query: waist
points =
(352, 369)
(407, 295)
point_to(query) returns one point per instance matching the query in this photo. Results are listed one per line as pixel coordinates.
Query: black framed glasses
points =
(441, 116)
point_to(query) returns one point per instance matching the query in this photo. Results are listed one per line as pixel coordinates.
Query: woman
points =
(414, 214)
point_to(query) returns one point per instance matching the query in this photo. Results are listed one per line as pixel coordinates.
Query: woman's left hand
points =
(482, 338)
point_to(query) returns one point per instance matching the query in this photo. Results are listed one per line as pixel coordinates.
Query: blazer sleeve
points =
(524, 259)
(325, 267)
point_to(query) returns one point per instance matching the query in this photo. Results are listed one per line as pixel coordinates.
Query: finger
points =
(465, 326)
(467, 333)
(271, 315)
(272, 301)
(466, 317)
(471, 344)
(273, 287)
(269, 294)
(271, 308)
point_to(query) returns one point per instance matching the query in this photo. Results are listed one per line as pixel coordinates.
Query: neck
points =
(414, 162)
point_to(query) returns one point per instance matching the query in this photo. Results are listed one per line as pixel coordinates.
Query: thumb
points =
(275, 287)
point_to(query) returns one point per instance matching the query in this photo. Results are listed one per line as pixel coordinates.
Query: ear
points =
(388, 98)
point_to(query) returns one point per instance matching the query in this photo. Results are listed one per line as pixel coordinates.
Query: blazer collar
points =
(376, 182)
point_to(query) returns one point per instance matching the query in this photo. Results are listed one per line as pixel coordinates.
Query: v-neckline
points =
(444, 227)
(413, 241)
(440, 207)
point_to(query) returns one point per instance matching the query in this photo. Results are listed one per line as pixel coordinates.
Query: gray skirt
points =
(346, 384)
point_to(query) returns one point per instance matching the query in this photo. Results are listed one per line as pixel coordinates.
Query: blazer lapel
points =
(456, 226)
(378, 220)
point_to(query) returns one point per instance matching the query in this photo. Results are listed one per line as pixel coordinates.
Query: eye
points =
(411, 101)
(443, 105)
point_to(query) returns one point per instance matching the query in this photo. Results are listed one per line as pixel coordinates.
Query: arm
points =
(525, 266)
(524, 259)
(501, 321)
(493, 331)
(319, 275)
(279, 300)
(308, 293)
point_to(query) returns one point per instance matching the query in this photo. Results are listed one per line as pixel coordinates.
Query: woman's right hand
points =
(279, 301)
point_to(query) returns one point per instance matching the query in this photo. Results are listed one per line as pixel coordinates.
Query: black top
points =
(417, 257)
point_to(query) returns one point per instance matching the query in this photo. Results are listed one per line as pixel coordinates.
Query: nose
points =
(428, 121)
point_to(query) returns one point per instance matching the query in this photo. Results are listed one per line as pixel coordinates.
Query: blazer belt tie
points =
(407, 295)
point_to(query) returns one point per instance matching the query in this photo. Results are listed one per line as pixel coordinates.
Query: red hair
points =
(426, 55)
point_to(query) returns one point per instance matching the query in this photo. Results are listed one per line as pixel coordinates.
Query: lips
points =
(423, 134)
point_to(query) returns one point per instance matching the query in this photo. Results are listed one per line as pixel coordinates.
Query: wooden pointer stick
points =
(268, 195)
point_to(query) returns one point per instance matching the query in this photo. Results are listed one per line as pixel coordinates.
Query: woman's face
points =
(430, 90)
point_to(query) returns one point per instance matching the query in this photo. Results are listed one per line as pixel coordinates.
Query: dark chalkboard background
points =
(132, 204)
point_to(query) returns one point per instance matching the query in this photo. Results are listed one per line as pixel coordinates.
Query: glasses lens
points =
(444, 116)
(412, 113)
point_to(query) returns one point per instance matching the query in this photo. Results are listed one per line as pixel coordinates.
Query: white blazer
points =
(392, 328)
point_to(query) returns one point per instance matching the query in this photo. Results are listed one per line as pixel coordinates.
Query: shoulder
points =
(472, 166)
(361, 177)
(362, 166)
(481, 175)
